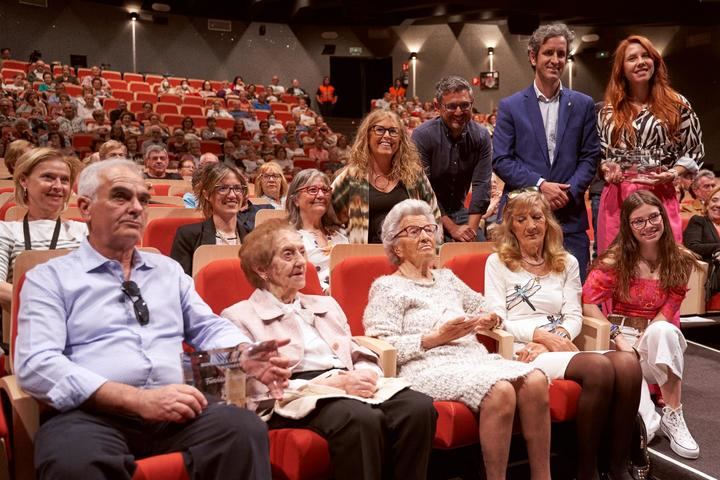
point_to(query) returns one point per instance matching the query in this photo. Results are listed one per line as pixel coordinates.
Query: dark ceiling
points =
(423, 12)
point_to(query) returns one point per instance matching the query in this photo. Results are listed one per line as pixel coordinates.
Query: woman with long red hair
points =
(649, 134)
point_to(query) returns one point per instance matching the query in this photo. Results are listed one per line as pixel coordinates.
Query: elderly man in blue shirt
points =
(99, 340)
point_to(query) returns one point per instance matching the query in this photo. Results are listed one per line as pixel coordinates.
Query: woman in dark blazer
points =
(221, 190)
(702, 234)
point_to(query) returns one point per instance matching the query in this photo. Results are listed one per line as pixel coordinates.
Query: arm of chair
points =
(595, 335)
(25, 423)
(385, 351)
(504, 341)
(694, 302)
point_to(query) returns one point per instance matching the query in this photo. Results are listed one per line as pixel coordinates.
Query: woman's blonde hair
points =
(108, 146)
(406, 165)
(27, 163)
(14, 151)
(508, 247)
(270, 167)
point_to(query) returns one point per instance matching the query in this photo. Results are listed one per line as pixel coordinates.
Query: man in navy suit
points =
(546, 137)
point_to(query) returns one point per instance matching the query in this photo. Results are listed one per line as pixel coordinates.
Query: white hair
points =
(391, 224)
(89, 180)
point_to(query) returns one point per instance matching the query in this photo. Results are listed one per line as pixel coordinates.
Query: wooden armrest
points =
(694, 301)
(504, 341)
(595, 335)
(25, 423)
(386, 352)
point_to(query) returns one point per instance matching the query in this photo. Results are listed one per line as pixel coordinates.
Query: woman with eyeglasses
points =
(310, 211)
(432, 317)
(533, 284)
(643, 118)
(383, 170)
(270, 184)
(220, 191)
(641, 279)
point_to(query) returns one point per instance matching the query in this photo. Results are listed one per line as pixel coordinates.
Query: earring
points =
(25, 193)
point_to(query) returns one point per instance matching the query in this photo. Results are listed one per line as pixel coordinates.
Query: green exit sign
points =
(355, 50)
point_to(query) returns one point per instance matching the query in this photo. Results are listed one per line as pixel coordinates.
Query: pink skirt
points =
(611, 200)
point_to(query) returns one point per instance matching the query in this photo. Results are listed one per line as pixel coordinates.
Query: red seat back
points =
(470, 268)
(222, 283)
(350, 283)
(160, 232)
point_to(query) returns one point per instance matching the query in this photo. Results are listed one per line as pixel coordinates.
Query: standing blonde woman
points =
(383, 170)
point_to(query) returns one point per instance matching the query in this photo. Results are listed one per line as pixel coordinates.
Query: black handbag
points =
(639, 461)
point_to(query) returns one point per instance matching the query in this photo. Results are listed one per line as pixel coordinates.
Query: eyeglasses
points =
(379, 130)
(142, 314)
(271, 176)
(225, 189)
(520, 191)
(640, 223)
(463, 106)
(413, 231)
(315, 190)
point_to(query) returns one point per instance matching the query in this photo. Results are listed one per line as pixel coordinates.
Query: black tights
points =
(606, 409)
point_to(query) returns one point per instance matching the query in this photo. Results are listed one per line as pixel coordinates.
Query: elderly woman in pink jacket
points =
(366, 439)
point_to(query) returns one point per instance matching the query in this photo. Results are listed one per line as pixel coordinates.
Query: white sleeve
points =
(572, 298)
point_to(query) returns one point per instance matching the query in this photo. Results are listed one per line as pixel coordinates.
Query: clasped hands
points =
(180, 403)
(544, 341)
(555, 193)
(458, 328)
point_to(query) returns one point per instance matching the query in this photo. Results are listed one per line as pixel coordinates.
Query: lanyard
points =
(26, 234)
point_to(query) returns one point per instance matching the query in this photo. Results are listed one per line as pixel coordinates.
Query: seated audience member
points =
(97, 123)
(293, 149)
(95, 72)
(280, 157)
(251, 92)
(383, 170)
(431, 317)
(18, 85)
(133, 149)
(87, 105)
(384, 103)
(194, 147)
(340, 153)
(212, 132)
(275, 89)
(117, 133)
(66, 76)
(252, 161)
(43, 184)
(128, 125)
(112, 149)
(367, 438)
(13, 152)
(22, 131)
(261, 103)
(702, 236)
(31, 100)
(207, 159)
(144, 115)
(177, 144)
(264, 132)
(186, 169)
(310, 212)
(231, 154)
(270, 184)
(100, 89)
(267, 149)
(164, 86)
(219, 190)
(36, 71)
(156, 164)
(188, 126)
(48, 84)
(184, 89)
(238, 86)
(70, 123)
(153, 120)
(155, 133)
(57, 142)
(643, 277)
(206, 90)
(297, 90)
(121, 109)
(533, 285)
(7, 115)
(318, 153)
(111, 407)
(240, 130)
(217, 110)
(700, 188)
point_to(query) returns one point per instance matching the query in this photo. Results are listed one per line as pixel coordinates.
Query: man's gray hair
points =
(154, 148)
(391, 224)
(89, 180)
(452, 84)
(704, 173)
(544, 32)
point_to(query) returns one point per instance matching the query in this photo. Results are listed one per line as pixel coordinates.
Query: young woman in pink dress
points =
(642, 112)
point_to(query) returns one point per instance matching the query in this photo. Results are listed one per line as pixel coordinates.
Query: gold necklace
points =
(533, 264)
(374, 180)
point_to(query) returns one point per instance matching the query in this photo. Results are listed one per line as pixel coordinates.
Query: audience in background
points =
(156, 164)
(271, 185)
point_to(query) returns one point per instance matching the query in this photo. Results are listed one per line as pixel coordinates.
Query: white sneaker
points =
(674, 427)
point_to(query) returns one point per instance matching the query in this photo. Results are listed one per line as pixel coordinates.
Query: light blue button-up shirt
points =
(549, 110)
(77, 329)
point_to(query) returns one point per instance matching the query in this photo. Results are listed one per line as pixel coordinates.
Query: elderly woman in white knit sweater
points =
(431, 317)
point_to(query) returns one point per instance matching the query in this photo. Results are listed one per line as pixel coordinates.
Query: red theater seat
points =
(111, 75)
(139, 86)
(160, 232)
(146, 97)
(133, 77)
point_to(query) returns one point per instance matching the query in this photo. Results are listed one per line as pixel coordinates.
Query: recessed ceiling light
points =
(590, 38)
(161, 7)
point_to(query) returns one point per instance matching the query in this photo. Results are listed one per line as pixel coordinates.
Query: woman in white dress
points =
(431, 318)
(310, 211)
(533, 284)
(43, 183)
